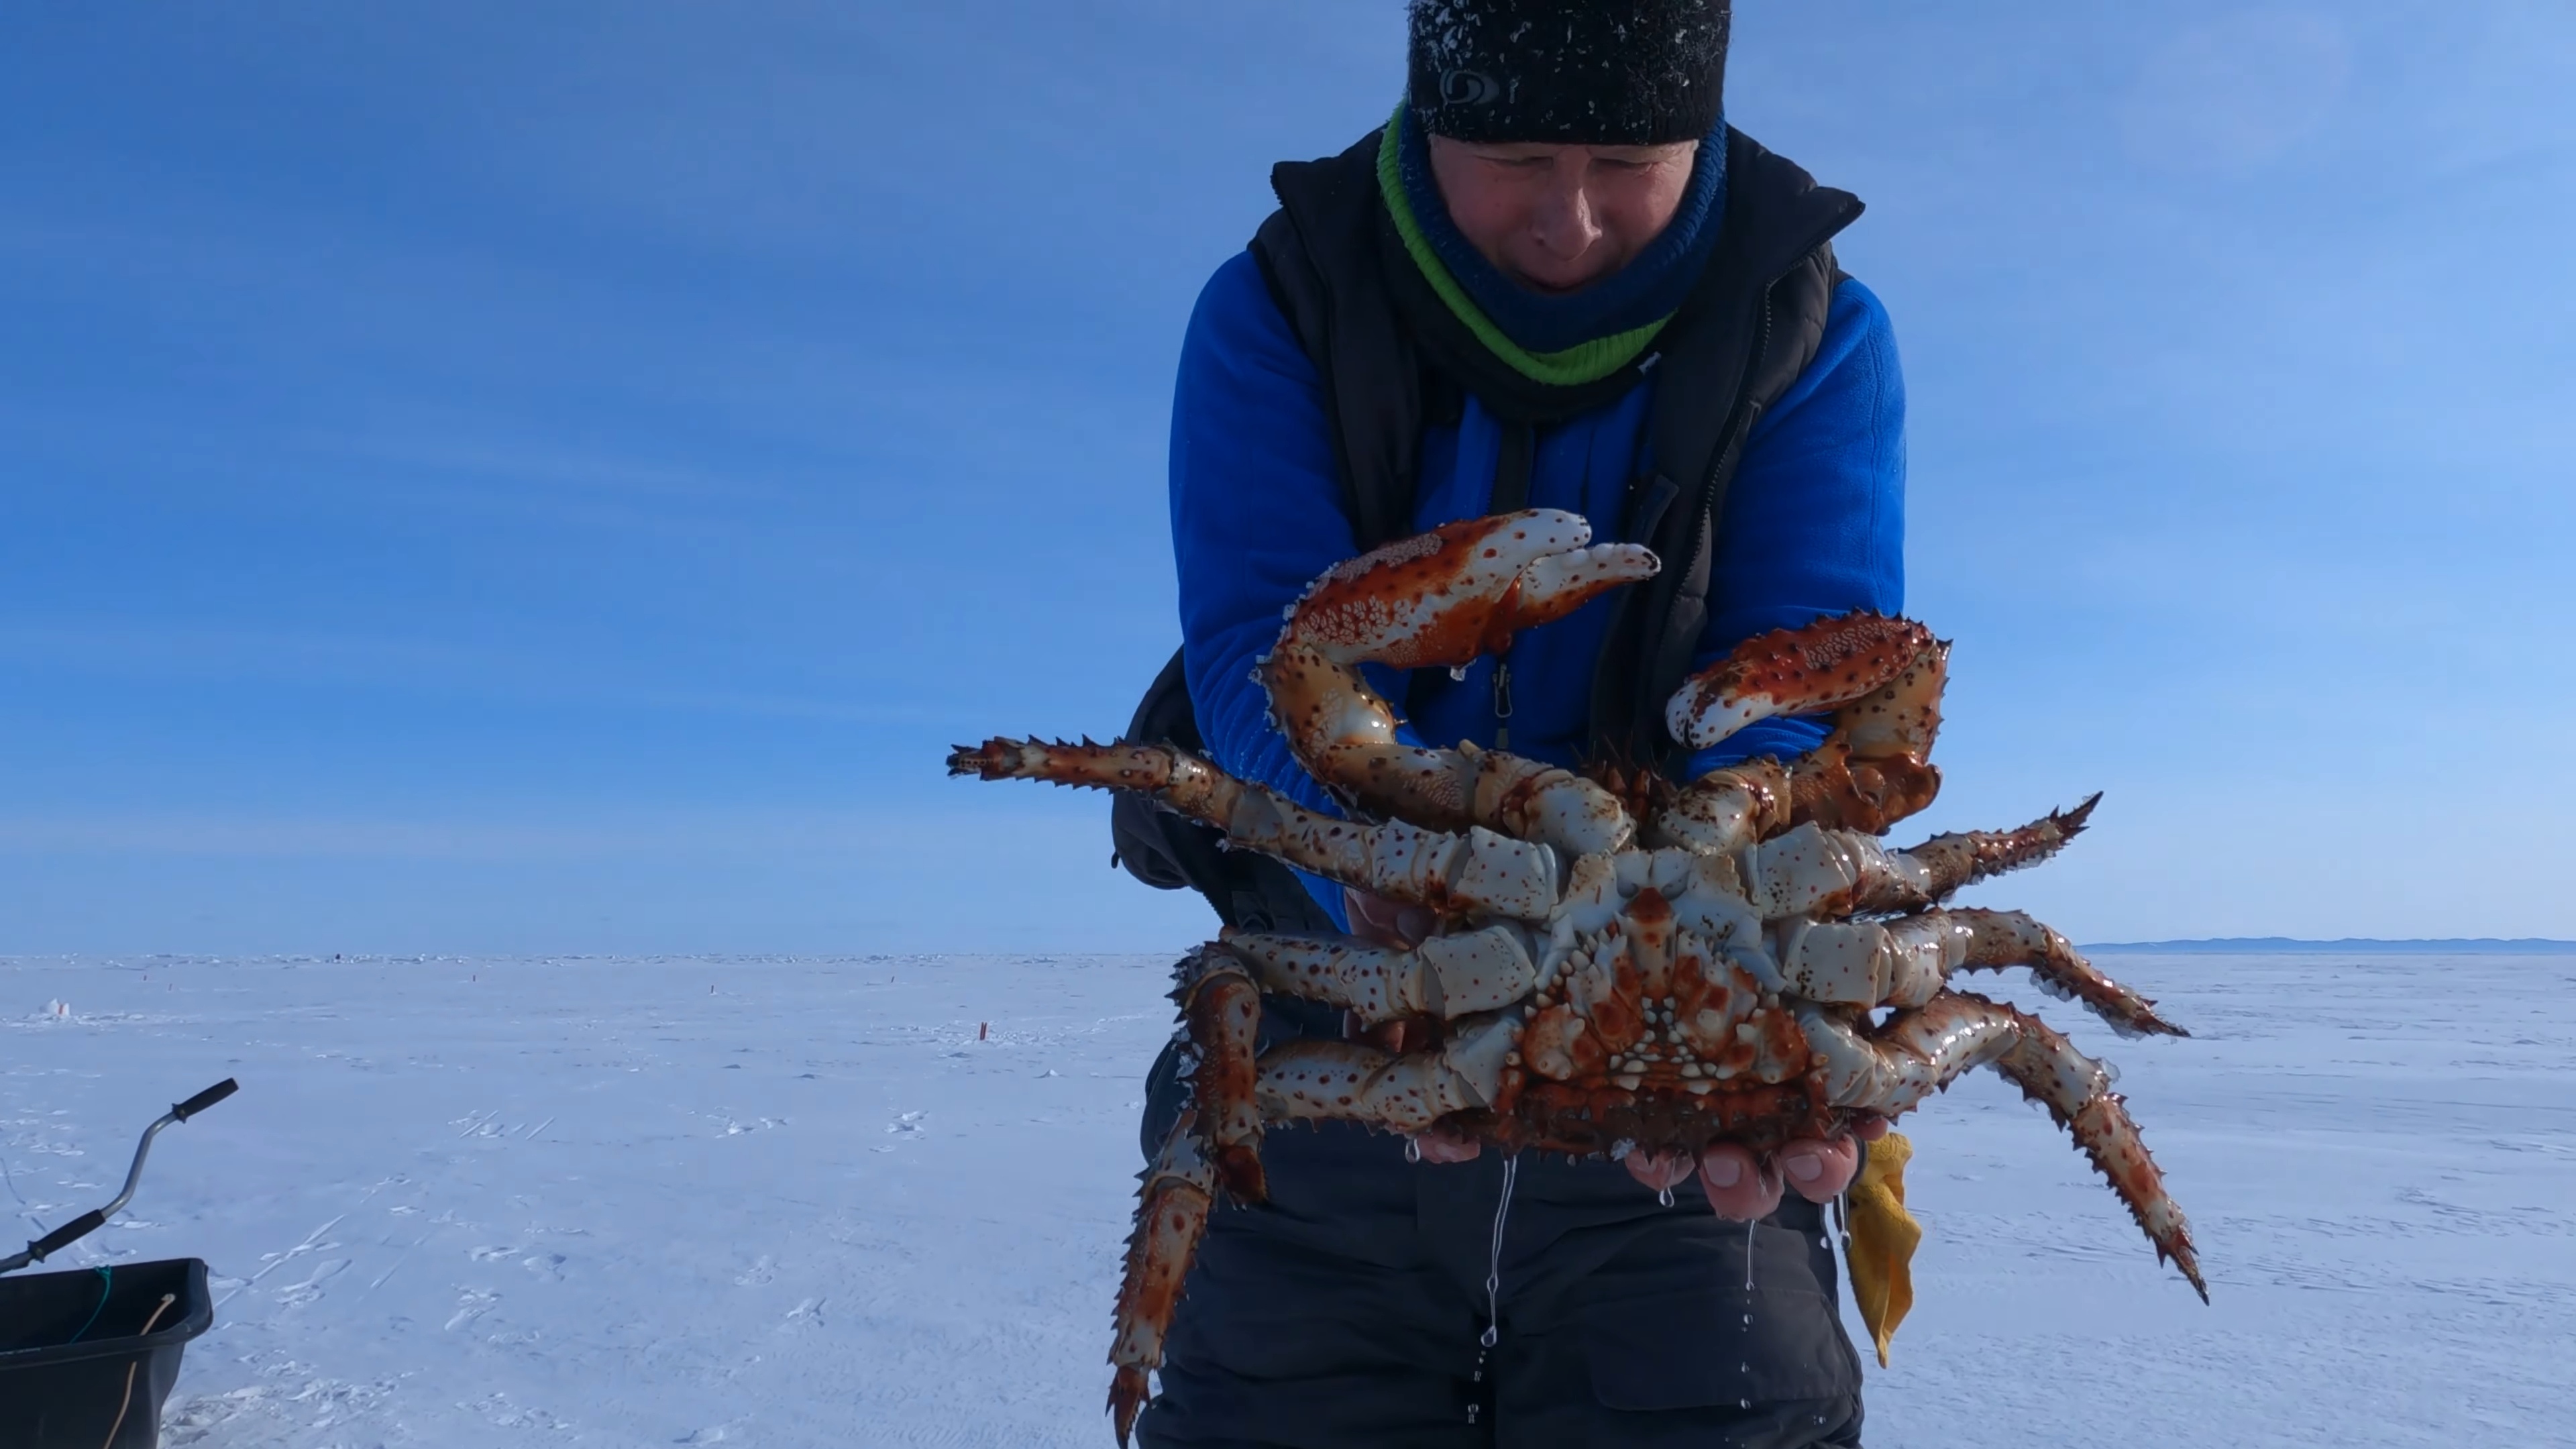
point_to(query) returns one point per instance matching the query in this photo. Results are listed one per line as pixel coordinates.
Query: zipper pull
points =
(1502, 704)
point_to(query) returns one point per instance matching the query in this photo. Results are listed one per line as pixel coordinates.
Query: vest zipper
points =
(1515, 459)
(1701, 523)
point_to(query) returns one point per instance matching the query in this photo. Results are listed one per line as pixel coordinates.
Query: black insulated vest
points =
(1393, 359)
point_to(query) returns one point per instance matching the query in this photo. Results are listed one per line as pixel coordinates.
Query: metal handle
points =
(90, 1222)
(66, 1235)
(205, 1099)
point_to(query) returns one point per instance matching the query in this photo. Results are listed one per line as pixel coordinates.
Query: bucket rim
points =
(199, 1318)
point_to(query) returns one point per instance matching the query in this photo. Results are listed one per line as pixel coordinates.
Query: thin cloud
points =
(915, 837)
(177, 653)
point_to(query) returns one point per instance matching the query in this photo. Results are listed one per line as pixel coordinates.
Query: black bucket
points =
(77, 1370)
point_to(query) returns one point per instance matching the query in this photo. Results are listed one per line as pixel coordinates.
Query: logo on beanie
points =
(1469, 88)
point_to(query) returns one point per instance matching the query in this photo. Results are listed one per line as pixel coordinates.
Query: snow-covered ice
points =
(800, 1202)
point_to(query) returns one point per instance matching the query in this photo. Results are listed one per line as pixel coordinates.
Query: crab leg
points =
(1955, 861)
(1997, 939)
(1221, 1013)
(1407, 1092)
(1811, 870)
(1883, 679)
(2077, 1092)
(1437, 600)
(1171, 1217)
(1216, 1141)
(1905, 962)
(1890, 1069)
(1728, 809)
(1446, 976)
(1478, 871)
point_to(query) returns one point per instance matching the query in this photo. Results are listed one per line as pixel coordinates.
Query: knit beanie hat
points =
(1585, 72)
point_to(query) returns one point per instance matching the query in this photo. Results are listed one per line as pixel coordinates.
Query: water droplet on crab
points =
(1665, 1197)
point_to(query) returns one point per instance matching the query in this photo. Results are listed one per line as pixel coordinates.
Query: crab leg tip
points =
(2189, 1265)
(1126, 1400)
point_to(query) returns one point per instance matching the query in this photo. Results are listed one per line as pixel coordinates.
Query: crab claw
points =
(1882, 677)
(1462, 590)
(1439, 599)
(1829, 663)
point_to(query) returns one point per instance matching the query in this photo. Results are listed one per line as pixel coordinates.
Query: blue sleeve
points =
(1815, 520)
(1256, 515)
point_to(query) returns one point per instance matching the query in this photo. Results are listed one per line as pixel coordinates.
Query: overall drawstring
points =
(1494, 1285)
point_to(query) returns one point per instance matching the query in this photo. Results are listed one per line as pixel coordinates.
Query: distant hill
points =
(2243, 945)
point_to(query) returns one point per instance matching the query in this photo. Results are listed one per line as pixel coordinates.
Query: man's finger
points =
(1739, 1188)
(1660, 1170)
(1819, 1170)
(1442, 1147)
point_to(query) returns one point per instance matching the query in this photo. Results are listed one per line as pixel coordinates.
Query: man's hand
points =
(1741, 1188)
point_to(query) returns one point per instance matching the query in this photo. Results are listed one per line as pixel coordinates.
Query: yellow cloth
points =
(1880, 1250)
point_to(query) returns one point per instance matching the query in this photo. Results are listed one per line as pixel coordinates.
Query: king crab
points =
(1620, 965)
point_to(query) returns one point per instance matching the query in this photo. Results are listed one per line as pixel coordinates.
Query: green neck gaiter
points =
(1582, 363)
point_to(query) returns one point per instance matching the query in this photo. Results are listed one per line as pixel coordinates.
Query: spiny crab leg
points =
(2076, 1090)
(1475, 872)
(1891, 1068)
(1881, 676)
(1955, 861)
(1441, 600)
(1216, 1141)
(1171, 1216)
(1909, 960)
(1446, 976)
(2000, 939)
(1801, 883)
(1409, 1092)
(1811, 870)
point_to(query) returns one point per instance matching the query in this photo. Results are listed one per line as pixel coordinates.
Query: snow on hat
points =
(1597, 72)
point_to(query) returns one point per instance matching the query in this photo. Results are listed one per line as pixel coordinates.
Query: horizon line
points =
(2497, 944)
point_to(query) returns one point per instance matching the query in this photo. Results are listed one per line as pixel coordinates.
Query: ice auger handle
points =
(205, 1099)
(66, 1235)
(90, 1222)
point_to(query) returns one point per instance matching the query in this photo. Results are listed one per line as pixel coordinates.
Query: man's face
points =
(1559, 218)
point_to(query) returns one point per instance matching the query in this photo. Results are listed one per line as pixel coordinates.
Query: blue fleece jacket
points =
(1814, 526)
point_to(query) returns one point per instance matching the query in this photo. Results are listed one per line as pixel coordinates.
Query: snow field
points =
(798, 1202)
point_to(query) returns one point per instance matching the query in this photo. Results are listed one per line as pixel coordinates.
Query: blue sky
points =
(485, 477)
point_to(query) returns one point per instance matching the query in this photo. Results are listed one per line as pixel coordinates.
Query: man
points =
(1555, 279)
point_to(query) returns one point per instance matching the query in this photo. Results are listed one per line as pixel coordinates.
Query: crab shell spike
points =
(1823, 665)
(1462, 590)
